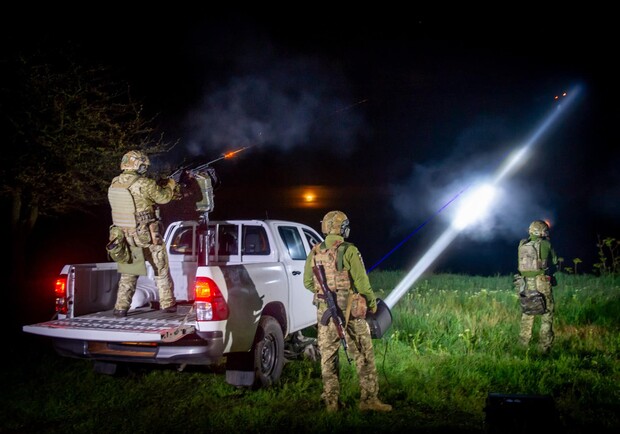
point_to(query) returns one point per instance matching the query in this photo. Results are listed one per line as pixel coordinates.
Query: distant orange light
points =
(308, 196)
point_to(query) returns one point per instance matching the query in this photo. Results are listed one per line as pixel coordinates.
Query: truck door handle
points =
(296, 273)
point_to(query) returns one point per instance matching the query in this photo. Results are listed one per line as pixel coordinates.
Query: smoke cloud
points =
(276, 103)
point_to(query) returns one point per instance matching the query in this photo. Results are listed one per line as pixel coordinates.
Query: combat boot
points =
(544, 350)
(332, 406)
(170, 309)
(374, 405)
(119, 313)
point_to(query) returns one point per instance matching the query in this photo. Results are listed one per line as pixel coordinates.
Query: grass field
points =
(453, 342)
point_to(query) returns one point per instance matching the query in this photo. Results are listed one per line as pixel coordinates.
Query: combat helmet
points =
(336, 223)
(539, 228)
(135, 160)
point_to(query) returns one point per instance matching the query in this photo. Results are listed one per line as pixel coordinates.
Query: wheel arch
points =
(277, 311)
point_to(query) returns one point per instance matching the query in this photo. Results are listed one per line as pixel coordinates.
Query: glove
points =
(373, 308)
(176, 189)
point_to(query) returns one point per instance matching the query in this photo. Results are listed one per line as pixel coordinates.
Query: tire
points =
(268, 351)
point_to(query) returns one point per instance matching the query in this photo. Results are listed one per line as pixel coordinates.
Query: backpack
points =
(332, 260)
(529, 256)
(338, 279)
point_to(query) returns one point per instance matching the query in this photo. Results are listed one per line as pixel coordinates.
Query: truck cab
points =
(249, 242)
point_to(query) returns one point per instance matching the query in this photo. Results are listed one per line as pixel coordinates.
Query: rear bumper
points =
(204, 349)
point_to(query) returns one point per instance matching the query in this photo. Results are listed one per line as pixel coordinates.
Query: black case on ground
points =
(513, 413)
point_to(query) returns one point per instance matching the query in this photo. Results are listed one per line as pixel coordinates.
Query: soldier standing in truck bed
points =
(134, 198)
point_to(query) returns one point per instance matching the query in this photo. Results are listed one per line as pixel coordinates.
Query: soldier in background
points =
(134, 198)
(345, 272)
(536, 255)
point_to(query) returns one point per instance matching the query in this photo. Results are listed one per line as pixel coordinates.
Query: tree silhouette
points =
(65, 127)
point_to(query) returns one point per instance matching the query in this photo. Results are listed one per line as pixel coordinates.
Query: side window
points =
(227, 240)
(312, 238)
(182, 241)
(255, 241)
(293, 242)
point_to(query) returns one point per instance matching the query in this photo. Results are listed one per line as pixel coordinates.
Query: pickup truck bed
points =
(146, 335)
(141, 325)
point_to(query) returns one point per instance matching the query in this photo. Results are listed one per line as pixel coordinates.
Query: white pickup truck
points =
(239, 288)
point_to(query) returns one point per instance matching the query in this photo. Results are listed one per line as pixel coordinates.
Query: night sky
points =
(387, 116)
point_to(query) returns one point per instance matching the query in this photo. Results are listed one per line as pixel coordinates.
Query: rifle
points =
(330, 297)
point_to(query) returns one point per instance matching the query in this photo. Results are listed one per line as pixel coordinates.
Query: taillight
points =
(60, 290)
(210, 304)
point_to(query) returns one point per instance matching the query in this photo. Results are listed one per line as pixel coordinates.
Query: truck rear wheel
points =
(268, 352)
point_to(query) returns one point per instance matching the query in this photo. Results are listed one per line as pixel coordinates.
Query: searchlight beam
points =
(472, 202)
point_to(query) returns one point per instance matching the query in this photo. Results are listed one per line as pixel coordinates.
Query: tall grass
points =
(452, 342)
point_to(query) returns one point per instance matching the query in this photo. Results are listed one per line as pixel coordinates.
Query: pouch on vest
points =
(358, 305)
(117, 247)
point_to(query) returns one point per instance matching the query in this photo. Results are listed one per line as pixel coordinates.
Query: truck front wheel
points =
(268, 352)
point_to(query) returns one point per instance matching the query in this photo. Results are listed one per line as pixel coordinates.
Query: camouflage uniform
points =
(540, 279)
(357, 330)
(546, 336)
(146, 193)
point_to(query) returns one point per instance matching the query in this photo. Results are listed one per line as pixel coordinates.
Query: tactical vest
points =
(529, 256)
(337, 278)
(122, 203)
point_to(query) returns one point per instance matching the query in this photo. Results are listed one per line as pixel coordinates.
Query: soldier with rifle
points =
(335, 272)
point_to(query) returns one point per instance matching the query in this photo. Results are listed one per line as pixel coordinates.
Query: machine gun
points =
(330, 297)
(205, 176)
(181, 174)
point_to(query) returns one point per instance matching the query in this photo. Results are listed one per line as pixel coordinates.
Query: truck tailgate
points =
(140, 325)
